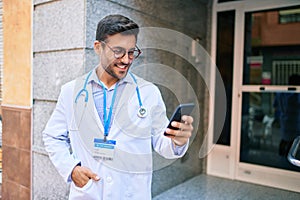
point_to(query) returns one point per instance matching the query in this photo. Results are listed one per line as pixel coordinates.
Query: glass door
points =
(270, 115)
(256, 46)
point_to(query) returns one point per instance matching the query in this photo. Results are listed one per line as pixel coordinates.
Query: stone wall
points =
(58, 57)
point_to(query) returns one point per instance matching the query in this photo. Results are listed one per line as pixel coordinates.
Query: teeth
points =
(122, 67)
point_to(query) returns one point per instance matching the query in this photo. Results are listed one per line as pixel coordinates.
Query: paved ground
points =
(212, 188)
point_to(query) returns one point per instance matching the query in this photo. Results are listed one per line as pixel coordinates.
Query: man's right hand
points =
(81, 175)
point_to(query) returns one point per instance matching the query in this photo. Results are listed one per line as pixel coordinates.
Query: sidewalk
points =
(212, 188)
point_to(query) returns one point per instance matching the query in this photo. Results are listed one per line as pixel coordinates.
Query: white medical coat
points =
(69, 141)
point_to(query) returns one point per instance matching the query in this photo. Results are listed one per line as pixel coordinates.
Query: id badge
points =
(104, 150)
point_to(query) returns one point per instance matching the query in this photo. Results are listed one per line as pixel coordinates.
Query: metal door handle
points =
(293, 151)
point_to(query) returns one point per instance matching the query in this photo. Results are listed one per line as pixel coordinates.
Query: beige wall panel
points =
(17, 30)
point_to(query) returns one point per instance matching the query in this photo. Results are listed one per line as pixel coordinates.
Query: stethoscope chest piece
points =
(142, 112)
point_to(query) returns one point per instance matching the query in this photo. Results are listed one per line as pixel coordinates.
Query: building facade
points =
(50, 42)
(57, 45)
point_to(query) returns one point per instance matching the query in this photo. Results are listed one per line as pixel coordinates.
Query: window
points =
(289, 16)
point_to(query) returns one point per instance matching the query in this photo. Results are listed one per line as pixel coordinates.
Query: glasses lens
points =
(133, 54)
(119, 53)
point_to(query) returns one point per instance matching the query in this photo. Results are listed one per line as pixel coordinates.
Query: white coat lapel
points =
(92, 110)
(122, 108)
(127, 93)
(85, 115)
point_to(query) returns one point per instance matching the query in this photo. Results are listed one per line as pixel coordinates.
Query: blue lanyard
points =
(107, 119)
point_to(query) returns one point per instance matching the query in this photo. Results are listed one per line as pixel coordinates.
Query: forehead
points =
(119, 40)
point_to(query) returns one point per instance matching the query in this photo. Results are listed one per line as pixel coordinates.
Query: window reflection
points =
(224, 61)
(272, 48)
(289, 16)
(270, 122)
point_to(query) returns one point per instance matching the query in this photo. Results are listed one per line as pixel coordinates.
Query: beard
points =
(113, 71)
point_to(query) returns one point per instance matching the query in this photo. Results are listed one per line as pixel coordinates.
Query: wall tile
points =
(10, 190)
(24, 193)
(10, 131)
(24, 139)
(42, 111)
(16, 32)
(24, 169)
(91, 59)
(52, 70)
(11, 165)
(36, 2)
(59, 25)
(48, 184)
(16, 127)
(16, 152)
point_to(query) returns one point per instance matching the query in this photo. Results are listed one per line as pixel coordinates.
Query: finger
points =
(92, 175)
(182, 134)
(187, 119)
(95, 177)
(175, 124)
(170, 133)
(182, 138)
(182, 126)
(186, 127)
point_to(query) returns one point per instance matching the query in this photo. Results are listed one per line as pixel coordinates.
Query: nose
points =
(125, 59)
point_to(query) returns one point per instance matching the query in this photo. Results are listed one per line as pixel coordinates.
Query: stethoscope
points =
(142, 111)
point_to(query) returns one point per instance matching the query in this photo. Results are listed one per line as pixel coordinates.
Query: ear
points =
(97, 47)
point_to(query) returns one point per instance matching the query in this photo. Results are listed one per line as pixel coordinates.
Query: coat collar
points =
(88, 115)
(94, 78)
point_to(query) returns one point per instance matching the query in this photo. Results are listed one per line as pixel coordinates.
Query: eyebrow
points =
(124, 48)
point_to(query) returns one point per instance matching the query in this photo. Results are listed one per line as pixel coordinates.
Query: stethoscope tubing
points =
(84, 90)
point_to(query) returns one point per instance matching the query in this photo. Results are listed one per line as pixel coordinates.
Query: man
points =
(101, 133)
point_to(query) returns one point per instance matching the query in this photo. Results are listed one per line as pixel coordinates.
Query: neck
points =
(105, 77)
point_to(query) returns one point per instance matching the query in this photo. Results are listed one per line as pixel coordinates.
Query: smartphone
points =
(182, 109)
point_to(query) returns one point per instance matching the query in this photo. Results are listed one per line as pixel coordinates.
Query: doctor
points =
(101, 134)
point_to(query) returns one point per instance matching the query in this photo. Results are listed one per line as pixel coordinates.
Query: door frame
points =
(223, 161)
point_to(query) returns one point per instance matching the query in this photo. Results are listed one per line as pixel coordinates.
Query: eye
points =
(118, 51)
(130, 52)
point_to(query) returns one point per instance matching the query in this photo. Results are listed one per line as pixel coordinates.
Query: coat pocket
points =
(93, 190)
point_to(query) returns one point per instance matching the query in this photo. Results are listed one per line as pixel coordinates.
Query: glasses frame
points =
(119, 57)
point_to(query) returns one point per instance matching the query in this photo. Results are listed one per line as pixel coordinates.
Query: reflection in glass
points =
(272, 48)
(224, 61)
(270, 122)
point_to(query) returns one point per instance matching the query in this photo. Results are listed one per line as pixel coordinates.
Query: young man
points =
(101, 133)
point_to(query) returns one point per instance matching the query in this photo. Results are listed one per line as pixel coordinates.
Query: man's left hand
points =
(181, 136)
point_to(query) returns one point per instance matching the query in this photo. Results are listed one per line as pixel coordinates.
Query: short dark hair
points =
(113, 24)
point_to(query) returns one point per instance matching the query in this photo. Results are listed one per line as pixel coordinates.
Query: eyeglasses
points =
(120, 52)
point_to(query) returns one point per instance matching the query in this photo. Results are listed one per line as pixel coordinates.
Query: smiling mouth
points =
(122, 66)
